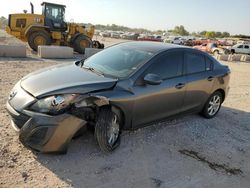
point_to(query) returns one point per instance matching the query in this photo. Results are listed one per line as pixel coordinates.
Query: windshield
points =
(118, 61)
(55, 12)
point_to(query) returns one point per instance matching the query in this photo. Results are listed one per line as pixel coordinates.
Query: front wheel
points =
(107, 129)
(212, 105)
(82, 42)
(38, 38)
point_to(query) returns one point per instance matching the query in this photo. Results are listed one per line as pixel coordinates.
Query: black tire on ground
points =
(96, 44)
(216, 52)
(232, 51)
(102, 46)
(102, 128)
(205, 111)
(33, 38)
(82, 42)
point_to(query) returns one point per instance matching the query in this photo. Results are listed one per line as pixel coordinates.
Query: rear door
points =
(246, 49)
(155, 102)
(199, 75)
(239, 49)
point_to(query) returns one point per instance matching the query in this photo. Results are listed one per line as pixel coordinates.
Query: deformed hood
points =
(64, 78)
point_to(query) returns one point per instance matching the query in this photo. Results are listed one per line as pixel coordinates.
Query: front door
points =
(154, 102)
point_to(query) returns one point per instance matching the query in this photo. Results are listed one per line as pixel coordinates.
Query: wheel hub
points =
(214, 105)
(114, 130)
(39, 40)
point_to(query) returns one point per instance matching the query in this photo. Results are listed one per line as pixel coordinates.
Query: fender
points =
(32, 28)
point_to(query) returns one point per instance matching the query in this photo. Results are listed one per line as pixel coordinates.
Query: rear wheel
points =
(38, 38)
(212, 105)
(82, 42)
(107, 130)
(96, 44)
(216, 52)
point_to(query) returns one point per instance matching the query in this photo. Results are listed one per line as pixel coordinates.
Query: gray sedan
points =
(126, 86)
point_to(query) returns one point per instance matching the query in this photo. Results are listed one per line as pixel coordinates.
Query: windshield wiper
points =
(92, 69)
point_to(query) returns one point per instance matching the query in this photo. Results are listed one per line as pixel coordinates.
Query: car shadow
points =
(149, 157)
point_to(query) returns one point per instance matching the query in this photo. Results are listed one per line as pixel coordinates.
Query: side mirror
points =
(152, 79)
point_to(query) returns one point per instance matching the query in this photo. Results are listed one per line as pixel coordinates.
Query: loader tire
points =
(38, 38)
(82, 42)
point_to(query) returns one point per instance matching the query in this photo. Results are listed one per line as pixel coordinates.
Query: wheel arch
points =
(33, 28)
(117, 110)
(222, 92)
(102, 101)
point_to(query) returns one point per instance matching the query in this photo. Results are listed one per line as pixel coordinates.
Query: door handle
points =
(210, 78)
(179, 86)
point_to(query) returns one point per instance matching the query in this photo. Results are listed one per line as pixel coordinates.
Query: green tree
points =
(203, 33)
(210, 34)
(3, 22)
(218, 34)
(225, 34)
(180, 30)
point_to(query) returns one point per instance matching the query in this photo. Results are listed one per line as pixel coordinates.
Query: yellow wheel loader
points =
(50, 28)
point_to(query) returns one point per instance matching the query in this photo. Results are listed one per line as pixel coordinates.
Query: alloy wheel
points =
(214, 105)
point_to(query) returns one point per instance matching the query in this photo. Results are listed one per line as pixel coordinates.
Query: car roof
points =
(154, 47)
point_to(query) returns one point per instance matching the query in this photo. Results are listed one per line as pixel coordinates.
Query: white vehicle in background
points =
(175, 40)
(115, 34)
(240, 49)
(104, 34)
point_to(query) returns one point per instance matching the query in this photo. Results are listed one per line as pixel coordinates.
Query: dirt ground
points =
(188, 151)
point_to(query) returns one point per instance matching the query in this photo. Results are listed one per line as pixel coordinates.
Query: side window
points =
(209, 64)
(168, 65)
(240, 46)
(246, 46)
(21, 23)
(194, 63)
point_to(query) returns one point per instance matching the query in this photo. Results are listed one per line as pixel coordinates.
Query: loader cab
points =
(54, 16)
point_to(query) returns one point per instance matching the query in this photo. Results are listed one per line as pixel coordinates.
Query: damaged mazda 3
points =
(123, 87)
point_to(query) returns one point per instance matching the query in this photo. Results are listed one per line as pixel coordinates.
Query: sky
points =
(196, 15)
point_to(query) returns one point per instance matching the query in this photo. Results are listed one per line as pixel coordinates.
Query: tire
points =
(96, 44)
(82, 42)
(102, 46)
(216, 52)
(104, 127)
(215, 108)
(38, 38)
(232, 51)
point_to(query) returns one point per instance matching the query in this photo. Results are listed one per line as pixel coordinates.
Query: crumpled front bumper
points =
(45, 133)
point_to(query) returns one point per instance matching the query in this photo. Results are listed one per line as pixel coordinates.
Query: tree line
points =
(3, 22)
(178, 30)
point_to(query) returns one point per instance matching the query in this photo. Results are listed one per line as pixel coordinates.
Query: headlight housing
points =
(54, 104)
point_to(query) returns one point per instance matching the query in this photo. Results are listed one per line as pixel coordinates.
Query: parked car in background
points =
(129, 36)
(154, 38)
(174, 40)
(104, 34)
(116, 34)
(188, 42)
(240, 49)
(123, 87)
(212, 48)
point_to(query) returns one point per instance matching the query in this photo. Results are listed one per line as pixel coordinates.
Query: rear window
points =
(194, 63)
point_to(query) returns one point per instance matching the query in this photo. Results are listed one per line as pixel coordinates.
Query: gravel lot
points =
(188, 151)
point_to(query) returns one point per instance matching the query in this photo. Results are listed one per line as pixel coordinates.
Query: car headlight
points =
(54, 104)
